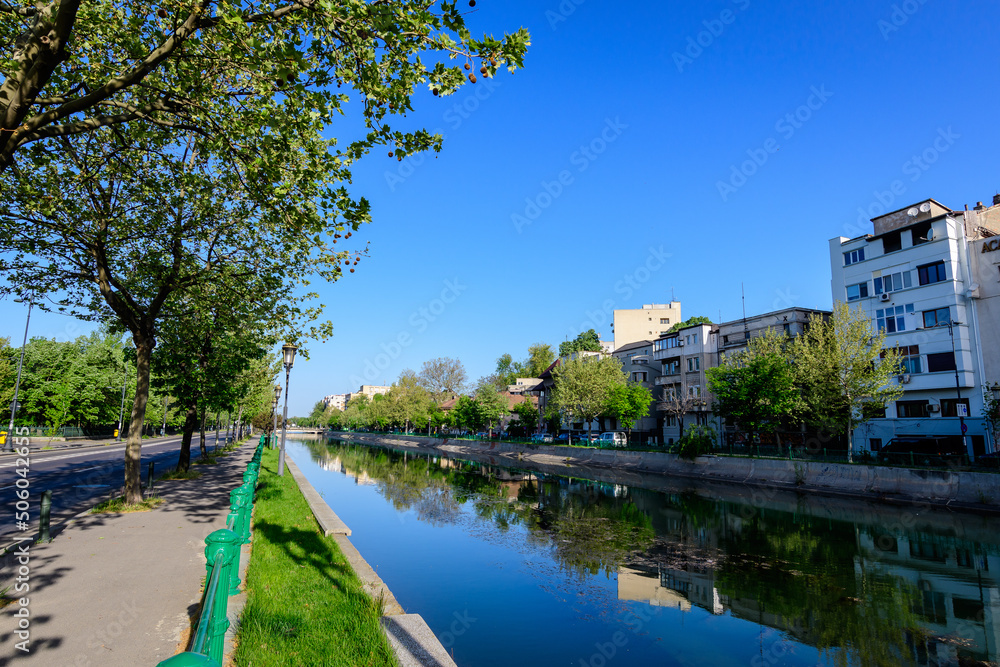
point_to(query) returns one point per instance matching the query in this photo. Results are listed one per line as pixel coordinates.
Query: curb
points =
(411, 639)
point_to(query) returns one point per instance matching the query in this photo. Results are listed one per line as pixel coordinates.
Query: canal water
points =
(521, 567)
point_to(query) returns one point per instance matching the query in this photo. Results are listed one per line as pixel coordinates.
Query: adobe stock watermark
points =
(629, 284)
(786, 127)
(898, 17)
(453, 118)
(565, 9)
(581, 159)
(419, 321)
(914, 168)
(714, 27)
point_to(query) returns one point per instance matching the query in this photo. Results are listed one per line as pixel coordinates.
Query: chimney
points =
(979, 206)
(996, 199)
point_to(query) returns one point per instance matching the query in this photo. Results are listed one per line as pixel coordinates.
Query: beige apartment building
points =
(646, 323)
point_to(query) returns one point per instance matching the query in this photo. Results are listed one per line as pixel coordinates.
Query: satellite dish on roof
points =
(913, 212)
(925, 207)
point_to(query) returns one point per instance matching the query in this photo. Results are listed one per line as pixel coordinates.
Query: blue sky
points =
(663, 149)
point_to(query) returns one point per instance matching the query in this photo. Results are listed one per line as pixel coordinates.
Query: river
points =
(520, 567)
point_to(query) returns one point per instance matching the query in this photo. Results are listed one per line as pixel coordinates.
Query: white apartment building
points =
(637, 362)
(681, 390)
(337, 401)
(646, 323)
(914, 278)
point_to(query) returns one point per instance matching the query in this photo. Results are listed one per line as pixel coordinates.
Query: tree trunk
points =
(133, 445)
(190, 424)
(204, 448)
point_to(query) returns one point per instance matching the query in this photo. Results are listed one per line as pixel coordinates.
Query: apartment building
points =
(733, 335)
(637, 362)
(681, 389)
(915, 279)
(646, 323)
(337, 401)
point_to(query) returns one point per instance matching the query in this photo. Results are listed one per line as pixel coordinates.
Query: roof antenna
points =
(672, 299)
(746, 329)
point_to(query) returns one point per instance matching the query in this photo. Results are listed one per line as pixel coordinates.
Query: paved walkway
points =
(120, 589)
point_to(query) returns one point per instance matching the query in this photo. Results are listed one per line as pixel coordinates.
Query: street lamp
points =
(959, 407)
(288, 353)
(274, 413)
(17, 385)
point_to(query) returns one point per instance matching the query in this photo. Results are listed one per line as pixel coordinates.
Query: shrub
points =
(697, 440)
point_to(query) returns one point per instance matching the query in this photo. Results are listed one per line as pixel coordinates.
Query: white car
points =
(613, 439)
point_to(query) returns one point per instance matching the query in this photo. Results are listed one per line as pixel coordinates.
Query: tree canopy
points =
(689, 322)
(588, 341)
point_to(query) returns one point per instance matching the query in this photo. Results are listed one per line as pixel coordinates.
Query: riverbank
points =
(312, 598)
(964, 490)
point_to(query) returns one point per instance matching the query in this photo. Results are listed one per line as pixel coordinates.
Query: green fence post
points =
(227, 544)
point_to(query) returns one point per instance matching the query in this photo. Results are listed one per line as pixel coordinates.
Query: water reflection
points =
(862, 586)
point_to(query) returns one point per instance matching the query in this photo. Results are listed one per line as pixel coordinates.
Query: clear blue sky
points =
(642, 111)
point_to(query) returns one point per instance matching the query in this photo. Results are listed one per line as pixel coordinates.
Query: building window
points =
(639, 376)
(911, 409)
(891, 282)
(859, 291)
(948, 407)
(891, 320)
(854, 256)
(921, 233)
(694, 390)
(943, 361)
(892, 242)
(875, 444)
(933, 318)
(694, 364)
(672, 368)
(931, 273)
(787, 328)
(664, 320)
(911, 365)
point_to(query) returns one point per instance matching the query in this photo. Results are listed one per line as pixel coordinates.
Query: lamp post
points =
(163, 429)
(288, 354)
(17, 385)
(274, 413)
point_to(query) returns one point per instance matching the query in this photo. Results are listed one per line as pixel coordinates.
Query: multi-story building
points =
(681, 388)
(368, 390)
(733, 336)
(646, 323)
(637, 362)
(337, 401)
(914, 278)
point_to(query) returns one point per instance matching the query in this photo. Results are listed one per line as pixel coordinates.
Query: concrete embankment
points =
(955, 489)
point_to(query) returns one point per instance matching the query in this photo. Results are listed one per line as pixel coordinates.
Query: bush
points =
(696, 441)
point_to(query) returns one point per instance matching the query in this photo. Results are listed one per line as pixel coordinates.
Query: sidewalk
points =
(119, 589)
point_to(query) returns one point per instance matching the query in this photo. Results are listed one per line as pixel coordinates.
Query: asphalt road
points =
(78, 478)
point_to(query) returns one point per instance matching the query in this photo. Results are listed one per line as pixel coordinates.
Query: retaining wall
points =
(952, 488)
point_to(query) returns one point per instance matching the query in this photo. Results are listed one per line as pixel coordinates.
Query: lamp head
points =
(288, 352)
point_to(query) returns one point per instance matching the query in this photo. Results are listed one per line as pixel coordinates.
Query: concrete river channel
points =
(524, 567)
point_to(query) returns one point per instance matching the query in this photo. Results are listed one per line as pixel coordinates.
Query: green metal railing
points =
(222, 561)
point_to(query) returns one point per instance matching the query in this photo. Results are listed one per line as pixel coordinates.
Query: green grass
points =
(305, 605)
(119, 506)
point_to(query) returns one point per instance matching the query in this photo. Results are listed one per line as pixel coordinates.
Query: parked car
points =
(923, 450)
(562, 437)
(991, 460)
(613, 439)
(541, 437)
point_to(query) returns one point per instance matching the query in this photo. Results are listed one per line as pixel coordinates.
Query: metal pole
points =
(958, 389)
(17, 384)
(284, 426)
(163, 430)
(274, 431)
(43, 517)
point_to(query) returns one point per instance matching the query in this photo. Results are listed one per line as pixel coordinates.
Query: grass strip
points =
(305, 605)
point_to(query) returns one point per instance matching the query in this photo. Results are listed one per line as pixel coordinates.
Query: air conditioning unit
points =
(884, 296)
(903, 379)
(680, 342)
(933, 407)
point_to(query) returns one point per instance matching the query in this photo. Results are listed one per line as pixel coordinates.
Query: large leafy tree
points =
(140, 151)
(588, 341)
(411, 403)
(219, 69)
(690, 322)
(443, 377)
(629, 403)
(756, 389)
(583, 387)
(845, 370)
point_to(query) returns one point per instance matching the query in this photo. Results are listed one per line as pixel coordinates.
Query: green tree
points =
(228, 106)
(490, 404)
(253, 72)
(465, 414)
(583, 387)
(588, 341)
(527, 415)
(756, 388)
(629, 403)
(689, 322)
(411, 403)
(540, 357)
(844, 369)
